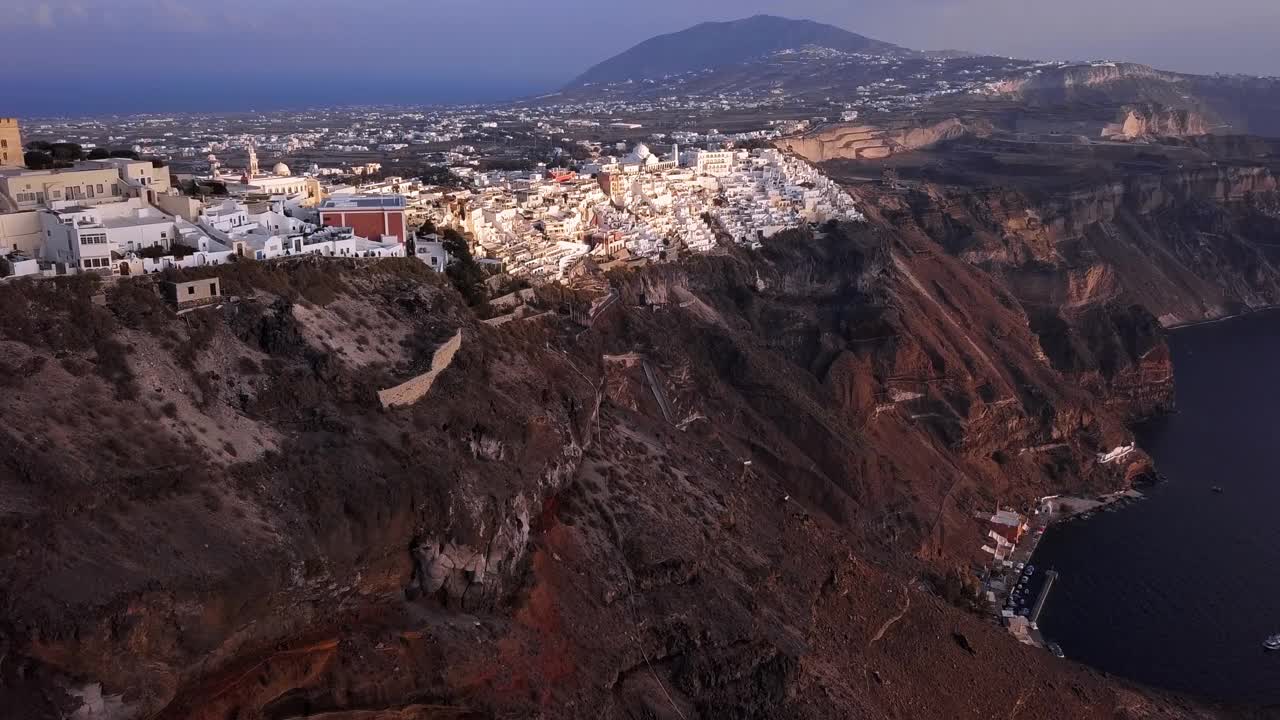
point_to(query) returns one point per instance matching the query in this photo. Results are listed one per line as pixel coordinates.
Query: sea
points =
(1180, 589)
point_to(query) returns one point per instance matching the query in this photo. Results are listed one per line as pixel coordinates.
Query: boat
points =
(1217, 488)
(1272, 643)
(1056, 649)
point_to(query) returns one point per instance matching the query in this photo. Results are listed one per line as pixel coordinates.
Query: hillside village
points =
(121, 216)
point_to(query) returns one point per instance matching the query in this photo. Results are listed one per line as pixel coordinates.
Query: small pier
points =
(1049, 577)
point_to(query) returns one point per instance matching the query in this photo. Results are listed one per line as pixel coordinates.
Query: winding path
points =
(893, 620)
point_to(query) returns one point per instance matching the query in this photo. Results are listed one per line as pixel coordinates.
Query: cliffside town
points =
(640, 208)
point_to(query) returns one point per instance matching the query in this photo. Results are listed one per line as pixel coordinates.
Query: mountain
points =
(722, 44)
(801, 62)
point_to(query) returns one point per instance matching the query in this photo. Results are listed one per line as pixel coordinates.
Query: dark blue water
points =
(1180, 590)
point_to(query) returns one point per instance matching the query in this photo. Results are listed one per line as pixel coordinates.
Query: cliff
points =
(1078, 82)
(1187, 245)
(214, 516)
(1236, 104)
(1153, 121)
(876, 142)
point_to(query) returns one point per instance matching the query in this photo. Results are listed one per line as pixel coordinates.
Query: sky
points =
(81, 57)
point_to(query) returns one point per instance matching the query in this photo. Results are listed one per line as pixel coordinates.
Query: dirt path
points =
(893, 620)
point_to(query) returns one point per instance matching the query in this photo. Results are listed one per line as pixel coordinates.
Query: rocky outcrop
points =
(1151, 121)
(872, 142)
(1099, 268)
(1188, 245)
(1070, 81)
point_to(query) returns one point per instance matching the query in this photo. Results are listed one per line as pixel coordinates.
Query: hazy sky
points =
(85, 56)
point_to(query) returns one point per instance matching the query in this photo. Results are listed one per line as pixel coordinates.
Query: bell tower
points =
(253, 162)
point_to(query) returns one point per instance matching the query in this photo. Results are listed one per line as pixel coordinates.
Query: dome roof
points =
(281, 169)
(642, 151)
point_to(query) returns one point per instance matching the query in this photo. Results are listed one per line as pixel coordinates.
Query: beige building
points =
(10, 143)
(21, 232)
(92, 182)
(287, 185)
(138, 174)
(187, 208)
(193, 293)
(35, 189)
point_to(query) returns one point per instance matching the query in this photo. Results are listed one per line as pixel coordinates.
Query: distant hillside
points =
(718, 44)
(804, 61)
(1227, 103)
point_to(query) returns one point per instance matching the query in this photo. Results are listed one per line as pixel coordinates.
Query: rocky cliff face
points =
(876, 142)
(1153, 121)
(1068, 81)
(1235, 104)
(1098, 267)
(1186, 245)
(743, 490)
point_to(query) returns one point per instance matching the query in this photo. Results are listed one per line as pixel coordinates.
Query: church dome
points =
(281, 169)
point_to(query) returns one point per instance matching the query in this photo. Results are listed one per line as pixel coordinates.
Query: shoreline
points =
(1049, 511)
(1224, 318)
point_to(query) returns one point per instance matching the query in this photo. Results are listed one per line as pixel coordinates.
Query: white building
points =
(431, 251)
(89, 238)
(711, 162)
(342, 242)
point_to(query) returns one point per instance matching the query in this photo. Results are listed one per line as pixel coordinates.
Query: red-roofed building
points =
(1009, 525)
(376, 217)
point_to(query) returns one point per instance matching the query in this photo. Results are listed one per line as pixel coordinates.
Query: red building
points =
(1009, 525)
(376, 217)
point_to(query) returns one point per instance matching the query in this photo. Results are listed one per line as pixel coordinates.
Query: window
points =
(191, 290)
(100, 189)
(90, 187)
(56, 194)
(4, 144)
(213, 288)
